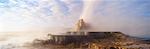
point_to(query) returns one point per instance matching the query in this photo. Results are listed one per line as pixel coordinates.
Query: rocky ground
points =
(111, 40)
(115, 39)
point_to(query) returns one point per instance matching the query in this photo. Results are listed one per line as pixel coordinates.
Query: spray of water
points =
(124, 16)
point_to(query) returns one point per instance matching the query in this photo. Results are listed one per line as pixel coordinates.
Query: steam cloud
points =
(129, 17)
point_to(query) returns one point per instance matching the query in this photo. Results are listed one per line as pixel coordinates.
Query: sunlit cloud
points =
(25, 14)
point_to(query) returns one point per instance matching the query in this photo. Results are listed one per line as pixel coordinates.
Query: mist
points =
(128, 17)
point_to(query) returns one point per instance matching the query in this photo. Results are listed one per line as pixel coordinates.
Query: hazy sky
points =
(129, 16)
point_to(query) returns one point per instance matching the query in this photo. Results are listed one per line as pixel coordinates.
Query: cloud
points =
(24, 14)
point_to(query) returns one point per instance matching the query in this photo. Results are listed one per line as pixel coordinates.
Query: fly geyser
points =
(79, 37)
(80, 25)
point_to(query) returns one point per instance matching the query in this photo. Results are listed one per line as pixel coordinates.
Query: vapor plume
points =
(128, 17)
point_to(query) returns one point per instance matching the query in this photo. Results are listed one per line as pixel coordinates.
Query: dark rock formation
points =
(87, 39)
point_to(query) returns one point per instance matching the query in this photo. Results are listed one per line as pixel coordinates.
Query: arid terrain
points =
(26, 41)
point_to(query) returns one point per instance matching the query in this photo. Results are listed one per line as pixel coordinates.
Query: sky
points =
(128, 16)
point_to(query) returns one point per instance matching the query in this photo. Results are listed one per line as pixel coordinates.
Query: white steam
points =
(128, 17)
